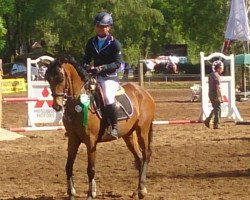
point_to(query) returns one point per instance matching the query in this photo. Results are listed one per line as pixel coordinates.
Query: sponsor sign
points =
(13, 85)
(40, 111)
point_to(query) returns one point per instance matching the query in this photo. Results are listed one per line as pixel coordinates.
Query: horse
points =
(164, 64)
(67, 86)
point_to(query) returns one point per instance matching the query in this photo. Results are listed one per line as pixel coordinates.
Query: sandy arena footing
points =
(8, 135)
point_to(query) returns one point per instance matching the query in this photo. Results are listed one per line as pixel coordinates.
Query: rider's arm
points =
(218, 90)
(116, 57)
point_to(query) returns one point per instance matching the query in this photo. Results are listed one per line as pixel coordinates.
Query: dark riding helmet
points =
(103, 19)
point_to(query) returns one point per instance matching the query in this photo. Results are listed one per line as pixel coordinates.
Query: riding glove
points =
(97, 70)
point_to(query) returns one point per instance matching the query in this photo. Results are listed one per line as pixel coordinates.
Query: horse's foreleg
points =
(73, 145)
(144, 139)
(91, 150)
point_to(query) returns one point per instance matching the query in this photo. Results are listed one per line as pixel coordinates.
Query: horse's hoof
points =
(135, 195)
(90, 198)
(142, 193)
(92, 189)
(71, 192)
(139, 194)
(72, 198)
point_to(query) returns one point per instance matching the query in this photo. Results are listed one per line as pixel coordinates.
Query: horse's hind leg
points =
(73, 145)
(144, 134)
(132, 144)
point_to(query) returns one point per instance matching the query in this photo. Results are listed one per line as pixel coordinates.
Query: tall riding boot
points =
(112, 115)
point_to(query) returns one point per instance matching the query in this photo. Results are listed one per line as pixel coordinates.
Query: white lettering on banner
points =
(45, 113)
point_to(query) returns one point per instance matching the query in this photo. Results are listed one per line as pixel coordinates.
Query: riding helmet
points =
(103, 19)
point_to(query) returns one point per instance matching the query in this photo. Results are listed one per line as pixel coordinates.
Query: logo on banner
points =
(225, 99)
(45, 93)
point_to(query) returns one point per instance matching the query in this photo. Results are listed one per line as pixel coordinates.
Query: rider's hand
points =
(96, 70)
(87, 67)
(221, 99)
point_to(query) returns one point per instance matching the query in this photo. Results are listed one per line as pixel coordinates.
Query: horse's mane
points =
(53, 70)
(71, 60)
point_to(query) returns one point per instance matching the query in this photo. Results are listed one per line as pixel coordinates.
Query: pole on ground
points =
(1, 74)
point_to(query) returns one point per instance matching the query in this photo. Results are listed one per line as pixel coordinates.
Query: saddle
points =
(124, 108)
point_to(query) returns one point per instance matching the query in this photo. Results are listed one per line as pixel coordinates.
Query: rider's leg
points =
(111, 110)
(175, 68)
(110, 88)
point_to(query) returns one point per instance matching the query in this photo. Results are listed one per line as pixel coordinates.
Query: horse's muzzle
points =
(57, 107)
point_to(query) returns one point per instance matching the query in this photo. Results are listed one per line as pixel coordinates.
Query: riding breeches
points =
(109, 88)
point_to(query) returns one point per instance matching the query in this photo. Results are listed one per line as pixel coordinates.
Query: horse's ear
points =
(62, 60)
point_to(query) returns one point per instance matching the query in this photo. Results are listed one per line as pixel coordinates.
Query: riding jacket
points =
(106, 54)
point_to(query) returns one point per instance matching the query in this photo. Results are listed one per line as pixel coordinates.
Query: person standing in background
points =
(214, 94)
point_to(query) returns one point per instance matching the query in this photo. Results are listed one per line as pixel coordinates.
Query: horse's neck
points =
(76, 83)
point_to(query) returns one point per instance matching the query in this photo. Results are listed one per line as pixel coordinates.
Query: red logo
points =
(225, 99)
(45, 93)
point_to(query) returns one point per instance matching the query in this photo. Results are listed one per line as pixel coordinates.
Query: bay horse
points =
(67, 85)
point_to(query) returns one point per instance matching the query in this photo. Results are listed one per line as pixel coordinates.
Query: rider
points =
(105, 51)
(173, 62)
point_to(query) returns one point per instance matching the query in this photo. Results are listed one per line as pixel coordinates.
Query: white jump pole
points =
(25, 99)
(42, 128)
(176, 122)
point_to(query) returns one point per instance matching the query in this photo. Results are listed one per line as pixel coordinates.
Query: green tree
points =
(2, 33)
(198, 23)
(144, 27)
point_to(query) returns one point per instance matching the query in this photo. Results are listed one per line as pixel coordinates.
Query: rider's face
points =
(102, 30)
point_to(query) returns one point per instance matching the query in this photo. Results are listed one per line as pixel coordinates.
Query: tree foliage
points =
(144, 27)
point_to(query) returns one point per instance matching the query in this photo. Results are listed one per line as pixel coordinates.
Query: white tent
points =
(238, 29)
(237, 26)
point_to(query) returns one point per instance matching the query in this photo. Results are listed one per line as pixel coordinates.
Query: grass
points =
(169, 85)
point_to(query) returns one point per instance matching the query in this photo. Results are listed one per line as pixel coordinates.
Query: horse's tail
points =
(150, 140)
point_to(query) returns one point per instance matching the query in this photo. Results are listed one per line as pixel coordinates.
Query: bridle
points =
(66, 86)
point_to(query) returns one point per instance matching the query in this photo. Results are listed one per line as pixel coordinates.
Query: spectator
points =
(214, 94)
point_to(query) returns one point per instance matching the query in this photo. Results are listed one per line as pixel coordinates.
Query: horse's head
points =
(58, 81)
